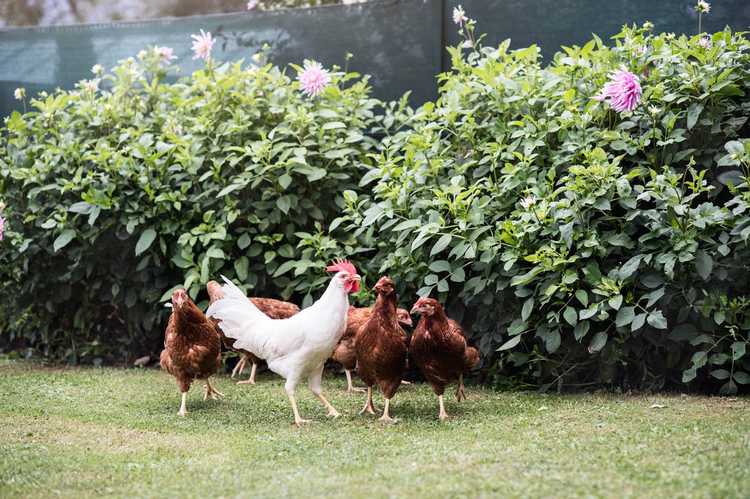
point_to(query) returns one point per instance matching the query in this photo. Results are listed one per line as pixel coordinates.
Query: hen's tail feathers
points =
(471, 358)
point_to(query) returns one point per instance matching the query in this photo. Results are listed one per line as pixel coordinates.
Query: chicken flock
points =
(296, 344)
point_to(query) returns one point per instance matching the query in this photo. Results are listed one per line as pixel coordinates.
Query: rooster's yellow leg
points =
(443, 415)
(297, 419)
(332, 412)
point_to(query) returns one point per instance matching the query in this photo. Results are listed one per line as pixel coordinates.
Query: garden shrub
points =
(115, 196)
(581, 246)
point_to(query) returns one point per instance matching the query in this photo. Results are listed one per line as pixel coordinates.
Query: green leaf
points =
(720, 373)
(738, 350)
(510, 343)
(528, 307)
(615, 302)
(624, 316)
(741, 377)
(694, 111)
(728, 389)
(285, 267)
(552, 340)
(284, 204)
(244, 241)
(145, 241)
(657, 320)
(630, 267)
(571, 316)
(583, 297)
(688, 375)
(638, 322)
(284, 181)
(230, 188)
(581, 330)
(240, 267)
(441, 244)
(63, 239)
(703, 264)
(598, 342)
(440, 266)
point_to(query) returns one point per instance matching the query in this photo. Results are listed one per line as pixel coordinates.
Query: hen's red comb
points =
(339, 265)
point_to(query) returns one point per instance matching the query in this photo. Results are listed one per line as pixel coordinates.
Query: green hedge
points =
(629, 263)
(115, 196)
(580, 246)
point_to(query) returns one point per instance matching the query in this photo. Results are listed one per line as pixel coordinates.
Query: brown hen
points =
(345, 353)
(192, 347)
(275, 309)
(438, 348)
(381, 347)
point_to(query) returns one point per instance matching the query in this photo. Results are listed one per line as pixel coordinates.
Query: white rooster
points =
(297, 347)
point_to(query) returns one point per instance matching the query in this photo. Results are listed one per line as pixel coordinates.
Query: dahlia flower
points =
(313, 78)
(622, 92)
(202, 45)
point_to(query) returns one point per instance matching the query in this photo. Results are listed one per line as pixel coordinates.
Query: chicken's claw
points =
(299, 422)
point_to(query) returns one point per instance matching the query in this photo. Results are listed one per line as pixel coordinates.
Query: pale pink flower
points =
(90, 85)
(459, 16)
(252, 4)
(2, 228)
(314, 78)
(622, 92)
(705, 42)
(166, 54)
(19, 93)
(202, 45)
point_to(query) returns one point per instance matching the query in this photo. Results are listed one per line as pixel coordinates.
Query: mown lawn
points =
(114, 432)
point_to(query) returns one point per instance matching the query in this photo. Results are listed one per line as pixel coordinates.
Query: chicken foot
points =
(315, 383)
(443, 415)
(460, 392)
(368, 408)
(297, 418)
(183, 409)
(350, 388)
(239, 367)
(211, 392)
(386, 417)
(251, 379)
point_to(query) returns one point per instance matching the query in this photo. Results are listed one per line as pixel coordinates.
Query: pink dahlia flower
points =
(202, 45)
(622, 92)
(314, 78)
(252, 4)
(166, 54)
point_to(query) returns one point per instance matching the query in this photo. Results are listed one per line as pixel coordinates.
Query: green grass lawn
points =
(114, 432)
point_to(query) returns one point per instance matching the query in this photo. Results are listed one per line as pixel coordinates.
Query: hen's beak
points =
(415, 310)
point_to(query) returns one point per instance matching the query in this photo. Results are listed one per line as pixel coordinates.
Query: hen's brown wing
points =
(439, 352)
(275, 309)
(381, 353)
(192, 346)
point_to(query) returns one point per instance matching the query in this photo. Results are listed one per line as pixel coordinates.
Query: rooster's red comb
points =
(339, 265)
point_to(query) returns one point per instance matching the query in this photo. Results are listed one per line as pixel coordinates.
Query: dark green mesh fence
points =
(399, 42)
